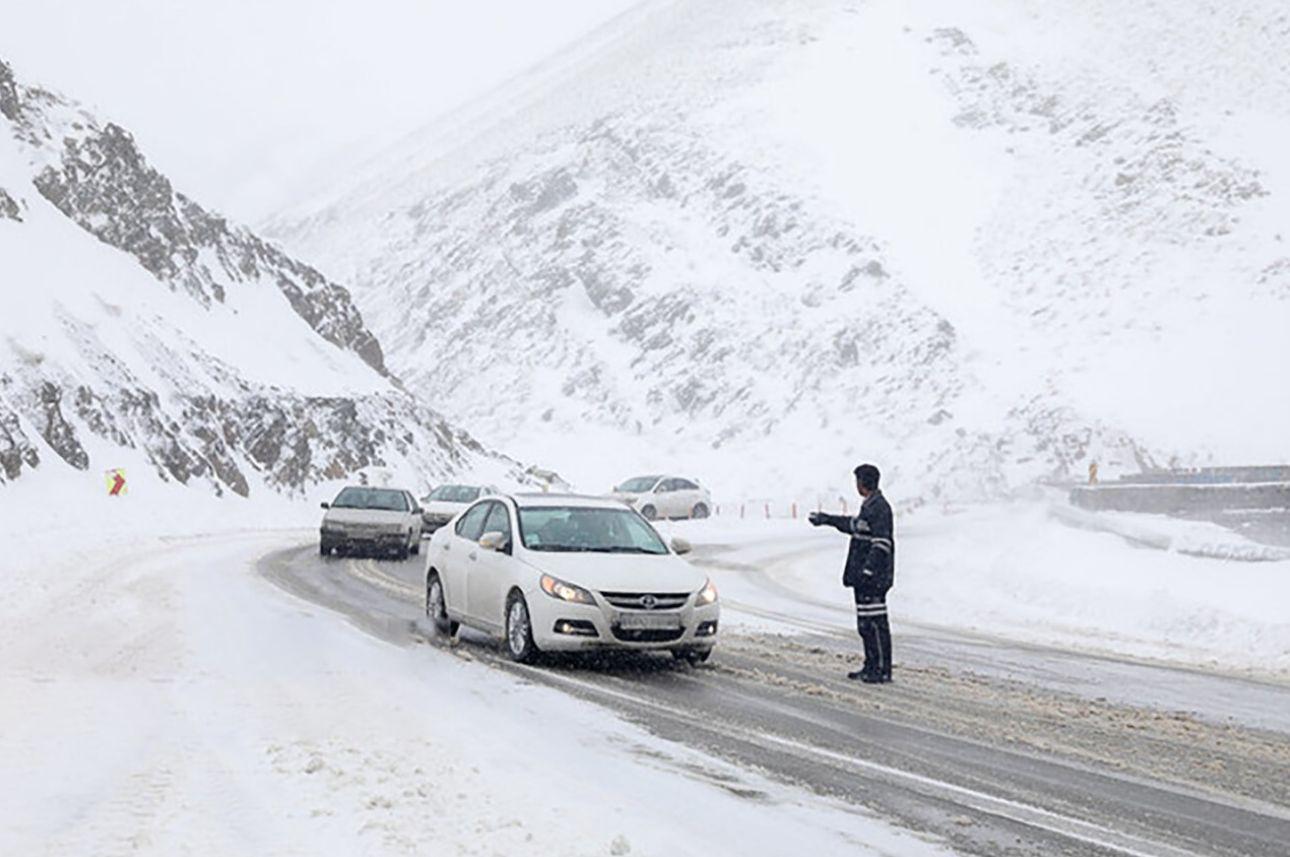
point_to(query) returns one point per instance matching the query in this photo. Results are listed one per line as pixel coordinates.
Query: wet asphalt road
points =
(1080, 770)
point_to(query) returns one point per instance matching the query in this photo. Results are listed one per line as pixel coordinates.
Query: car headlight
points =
(707, 595)
(557, 588)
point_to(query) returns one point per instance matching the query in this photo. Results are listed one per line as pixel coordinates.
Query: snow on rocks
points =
(974, 244)
(135, 320)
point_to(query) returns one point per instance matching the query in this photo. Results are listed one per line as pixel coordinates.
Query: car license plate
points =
(648, 621)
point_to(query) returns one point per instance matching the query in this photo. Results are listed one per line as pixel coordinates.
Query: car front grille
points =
(646, 600)
(660, 635)
(370, 531)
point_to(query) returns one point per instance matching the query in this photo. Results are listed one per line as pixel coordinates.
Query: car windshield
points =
(639, 485)
(455, 494)
(385, 499)
(583, 529)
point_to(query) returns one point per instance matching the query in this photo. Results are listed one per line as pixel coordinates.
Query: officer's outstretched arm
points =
(824, 519)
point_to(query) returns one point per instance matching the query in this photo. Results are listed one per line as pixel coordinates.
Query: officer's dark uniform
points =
(870, 572)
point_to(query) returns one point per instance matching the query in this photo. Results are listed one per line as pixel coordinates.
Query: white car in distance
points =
(376, 520)
(665, 497)
(447, 501)
(547, 573)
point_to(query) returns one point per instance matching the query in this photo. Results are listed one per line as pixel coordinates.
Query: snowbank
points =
(1018, 571)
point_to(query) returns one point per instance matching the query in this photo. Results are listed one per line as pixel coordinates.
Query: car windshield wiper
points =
(561, 548)
(625, 549)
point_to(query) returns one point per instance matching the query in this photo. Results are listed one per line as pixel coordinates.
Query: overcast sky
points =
(245, 103)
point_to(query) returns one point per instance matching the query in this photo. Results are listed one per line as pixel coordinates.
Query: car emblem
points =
(649, 602)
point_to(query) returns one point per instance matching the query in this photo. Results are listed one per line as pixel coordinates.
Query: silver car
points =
(665, 497)
(447, 501)
(374, 520)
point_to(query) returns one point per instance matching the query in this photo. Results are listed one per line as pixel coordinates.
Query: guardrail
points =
(783, 509)
(1182, 499)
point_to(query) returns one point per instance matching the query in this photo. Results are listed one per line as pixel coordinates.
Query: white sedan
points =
(447, 501)
(665, 497)
(546, 572)
(384, 520)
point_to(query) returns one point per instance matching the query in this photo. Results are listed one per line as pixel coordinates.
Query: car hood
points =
(606, 572)
(364, 516)
(443, 507)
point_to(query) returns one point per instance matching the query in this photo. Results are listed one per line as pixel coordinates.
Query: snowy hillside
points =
(136, 326)
(981, 243)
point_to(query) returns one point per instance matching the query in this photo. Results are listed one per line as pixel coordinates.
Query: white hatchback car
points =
(548, 572)
(665, 497)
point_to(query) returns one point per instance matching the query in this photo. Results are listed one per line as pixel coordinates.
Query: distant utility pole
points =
(1092, 473)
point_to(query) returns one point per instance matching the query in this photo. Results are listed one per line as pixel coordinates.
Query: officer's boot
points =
(872, 666)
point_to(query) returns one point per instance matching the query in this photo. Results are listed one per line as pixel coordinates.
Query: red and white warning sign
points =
(116, 486)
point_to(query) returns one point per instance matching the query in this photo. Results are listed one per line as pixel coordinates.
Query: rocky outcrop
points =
(98, 177)
(72, 389)
(9, 209)
(16, 449)
(8, 93)
(228, 441)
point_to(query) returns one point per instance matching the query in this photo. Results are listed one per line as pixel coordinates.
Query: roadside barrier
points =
(793, 509)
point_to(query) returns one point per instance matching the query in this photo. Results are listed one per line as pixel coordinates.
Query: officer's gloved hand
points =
(816, 518)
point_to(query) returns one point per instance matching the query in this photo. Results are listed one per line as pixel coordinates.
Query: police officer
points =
(870, 571)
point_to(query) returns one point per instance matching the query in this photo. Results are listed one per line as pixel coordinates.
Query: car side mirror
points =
(325, 505)
(681, 546)
(493, 542)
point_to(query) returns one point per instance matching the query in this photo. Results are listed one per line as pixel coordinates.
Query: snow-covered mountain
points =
(980, 243)
(137, 326)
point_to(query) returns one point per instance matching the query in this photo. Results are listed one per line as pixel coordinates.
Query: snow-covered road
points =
(162, 697)
(235, 693)
(971, 758)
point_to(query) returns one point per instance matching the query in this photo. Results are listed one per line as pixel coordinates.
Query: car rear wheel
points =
(324, 549)
(649, 512)
(519, 630)
(416, 545)
(437, 608)
(700, 510)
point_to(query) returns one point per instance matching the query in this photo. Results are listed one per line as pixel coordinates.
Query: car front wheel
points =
(437, 608)
(519, 630)
(700, 510)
